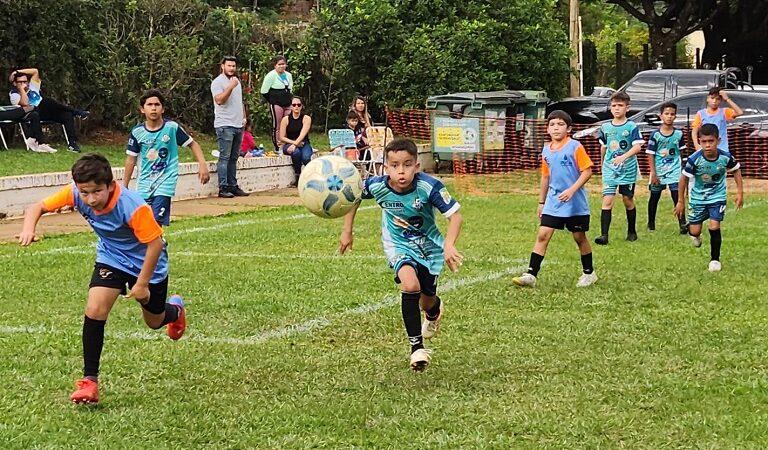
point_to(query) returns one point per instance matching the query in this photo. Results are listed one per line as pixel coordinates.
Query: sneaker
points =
(714, 266)
(696, 241)
(31, 144)
(684, 228)
(45, 148)
(87, 392)
(430, 327)
(237, 192)
(215, 153)
(420, 359)
(631, 237)
(651, 227)
(601, 240)
(524, 280)
(176, 329)
(586, 279)
(74, 147)
(225, 194)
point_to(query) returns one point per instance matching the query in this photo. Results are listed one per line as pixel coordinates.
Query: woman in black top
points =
(294, 135)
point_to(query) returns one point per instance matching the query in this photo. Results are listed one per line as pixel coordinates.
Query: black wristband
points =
(541, 203)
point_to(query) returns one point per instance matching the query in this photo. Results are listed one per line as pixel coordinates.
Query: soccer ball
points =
(330, 186)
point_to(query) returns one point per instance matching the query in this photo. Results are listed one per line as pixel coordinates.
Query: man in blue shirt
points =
(708, 169)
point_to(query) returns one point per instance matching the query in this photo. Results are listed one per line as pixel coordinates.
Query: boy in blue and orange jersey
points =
(565, 169)
(131, 258)
(717, 116)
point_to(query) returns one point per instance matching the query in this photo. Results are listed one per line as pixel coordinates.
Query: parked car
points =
(754, 104)
(647, 88)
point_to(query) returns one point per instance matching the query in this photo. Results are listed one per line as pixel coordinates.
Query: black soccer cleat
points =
(631, 237)
(601, 240)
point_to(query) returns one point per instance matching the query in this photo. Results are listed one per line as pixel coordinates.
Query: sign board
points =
(456, 135)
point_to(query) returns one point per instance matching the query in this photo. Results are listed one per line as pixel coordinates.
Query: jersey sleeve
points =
(182, 138)
(442, 200)
(367, 194)
(15, 98)
(134, 146)
(635, 137)
(696, 120)
(544, 167)
(64, 197)
(731, 165)
(601, 137)
(144, 225)
(651, 149)
(583, 161)
(729, 113)
(689, 170)
(267, 83)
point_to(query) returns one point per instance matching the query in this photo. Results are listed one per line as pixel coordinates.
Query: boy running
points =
(565, 168)
(156, 142)
(664, 149)
(620, 142)
(707, 169)
(715, 115)
(412, 242)
(131, 259)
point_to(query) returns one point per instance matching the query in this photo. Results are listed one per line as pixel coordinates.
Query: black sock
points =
(171, 314)
(434, 311)
(586, 263)
(631, 221)
(675, 198)
(535, 264)
(715, 241)
(412, 319)
(93, 342)
(605, 222)
(653, 204)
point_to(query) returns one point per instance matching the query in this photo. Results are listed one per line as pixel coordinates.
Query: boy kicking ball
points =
(565, 168)
(130, 255)
(412, 242)
(707, 169)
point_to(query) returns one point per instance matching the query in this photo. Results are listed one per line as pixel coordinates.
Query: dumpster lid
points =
(506, 97)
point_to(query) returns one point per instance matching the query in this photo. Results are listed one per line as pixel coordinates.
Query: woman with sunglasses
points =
(294, 136)
(276, 90)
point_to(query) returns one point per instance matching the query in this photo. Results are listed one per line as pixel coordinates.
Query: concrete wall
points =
(253, 174)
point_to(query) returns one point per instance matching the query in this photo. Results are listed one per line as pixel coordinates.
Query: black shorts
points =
(574, 224)
(427, 281)
(107, 276)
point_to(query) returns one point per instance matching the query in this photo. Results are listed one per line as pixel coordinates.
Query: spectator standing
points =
(229, 120)
(277, 89)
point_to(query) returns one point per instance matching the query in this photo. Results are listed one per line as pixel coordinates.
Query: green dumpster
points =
(534, 136)
(468, 123)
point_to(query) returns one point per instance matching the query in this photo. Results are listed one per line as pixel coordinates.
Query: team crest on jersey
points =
(625, 133)
(446, 196)
(166, 138)
(152, 154)
(417, 204)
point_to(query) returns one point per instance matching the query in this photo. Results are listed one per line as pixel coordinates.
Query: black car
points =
(645, 89)
(753, 103)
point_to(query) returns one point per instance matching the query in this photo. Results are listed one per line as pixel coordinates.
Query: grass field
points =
(18, 161)
(290, 346)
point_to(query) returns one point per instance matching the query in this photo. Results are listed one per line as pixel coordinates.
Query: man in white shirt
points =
(229, 120)
(26, 92)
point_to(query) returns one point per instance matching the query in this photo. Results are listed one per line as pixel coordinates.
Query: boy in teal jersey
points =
(156, 144)
(565, 169)
(131, 259)
(412, 242)
(664, 150)
(620, 142)
(708, 169)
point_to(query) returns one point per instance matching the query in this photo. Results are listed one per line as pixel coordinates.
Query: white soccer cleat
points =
(714, 266)
(696, 241)
(586, 279)
(429, 328)
(45, 148)
(31, 144)
(525, 279)
(420, 359)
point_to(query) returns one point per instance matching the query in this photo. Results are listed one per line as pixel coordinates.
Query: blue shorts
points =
(427, 281)
(661, 187)
(627, 190)
(161, 208)
(699, 213)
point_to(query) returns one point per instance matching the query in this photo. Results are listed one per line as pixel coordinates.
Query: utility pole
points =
(575, 78)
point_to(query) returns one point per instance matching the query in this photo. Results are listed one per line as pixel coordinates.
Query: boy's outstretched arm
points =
(31, 217)
(452, 256)
(202, 172)
(347, 234)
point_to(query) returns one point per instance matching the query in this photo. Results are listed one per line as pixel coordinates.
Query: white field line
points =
(275, 333)
(170, 233)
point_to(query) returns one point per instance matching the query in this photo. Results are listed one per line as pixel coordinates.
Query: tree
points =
(671, 20)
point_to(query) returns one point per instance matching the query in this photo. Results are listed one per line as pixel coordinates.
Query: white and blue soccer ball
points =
(330, 186)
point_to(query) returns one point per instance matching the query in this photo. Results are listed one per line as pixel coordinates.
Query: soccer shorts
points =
(574, 224)
(427, 281)
(699, 213)
(661, 187)
(161, 209)
(108, 276)
(627, 190)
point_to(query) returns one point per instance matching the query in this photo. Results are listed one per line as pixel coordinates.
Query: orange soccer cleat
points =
(87, 392)
(176, 329)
